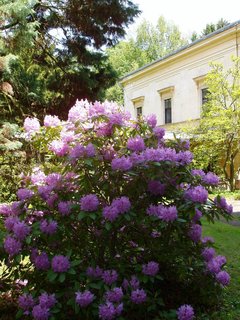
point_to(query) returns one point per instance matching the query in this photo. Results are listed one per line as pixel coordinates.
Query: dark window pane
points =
(204, 95)
(168, 110)
(139, 112)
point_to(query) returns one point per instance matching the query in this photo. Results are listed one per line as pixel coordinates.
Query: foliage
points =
(11, 161)
(218, 130)
(151, 43)
(59, 47)
(209, 28)
(109, 225)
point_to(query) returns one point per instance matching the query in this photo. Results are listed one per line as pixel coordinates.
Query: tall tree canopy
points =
(59, 46)
(150, 43)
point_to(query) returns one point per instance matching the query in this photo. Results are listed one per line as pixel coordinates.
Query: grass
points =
(227, 194)
(227, 241)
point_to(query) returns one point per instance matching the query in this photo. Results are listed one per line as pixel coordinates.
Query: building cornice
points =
(210, 40)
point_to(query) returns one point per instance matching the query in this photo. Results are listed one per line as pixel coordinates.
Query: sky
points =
(188, 15)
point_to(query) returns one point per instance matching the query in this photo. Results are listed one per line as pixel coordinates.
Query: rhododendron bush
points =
(109, 227)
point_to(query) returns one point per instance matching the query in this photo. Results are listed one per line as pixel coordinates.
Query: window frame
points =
(201, 85)
(167, 106)
(137, 104)
(167, 93)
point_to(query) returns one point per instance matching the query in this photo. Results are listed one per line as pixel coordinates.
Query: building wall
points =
(179, 77)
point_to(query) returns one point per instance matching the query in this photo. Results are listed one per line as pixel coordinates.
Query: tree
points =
(151, 43)
(66, 40)
(209, 28)
(160, 40)
(219, 128)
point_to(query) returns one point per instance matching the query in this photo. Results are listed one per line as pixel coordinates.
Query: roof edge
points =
(210, 35)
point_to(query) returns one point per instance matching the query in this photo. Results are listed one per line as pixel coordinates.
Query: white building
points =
(173, 87)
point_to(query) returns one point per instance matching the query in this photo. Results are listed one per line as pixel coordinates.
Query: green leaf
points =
(19, 314)
(75, 263)
(127, 217)
(181, 220)
(28, 240)
(71, 271)
(81, 215)
(96, 285)
(62, 277)
(108, 226)
(51, 275)
(157, 164)
(93, 216)
(88, 162)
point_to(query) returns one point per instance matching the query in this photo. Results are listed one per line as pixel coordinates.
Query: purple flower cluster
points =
(79, 151)
(64, 207)
(59, 147)
(195, 232)
(114, 295)
(60, 263)
(94, 272)
(159, 132)
(117, 207)
(38, 177)
(198, 172)
(48, 227)
(21, 230)
(138, 296)
(89, 202)
(206, 240)
(185, 312)
(109, 311)
(10, 221)
(208, 253)
(83, 299)
(5, 209)
(167, 214)
(40, 311)
(109, 276)
(222, 204)
(51, 121)
(184, 157)
(47, 300)
(110, 213)
(214, 265)
(31, 125)
(151, 268)
(197, 216)
(79, 112)
(41, 261)
(209, 178)
(196, 194)
(136, 144)
(54, 180)
(24, 194)
(223, 278)
(151, 120)
(133, 283)
(26, 301)
(121, 164)
(12, 246)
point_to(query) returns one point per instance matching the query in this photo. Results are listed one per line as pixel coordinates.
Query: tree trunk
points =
(231, 174)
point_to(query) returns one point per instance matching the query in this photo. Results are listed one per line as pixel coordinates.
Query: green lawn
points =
(227, 241)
